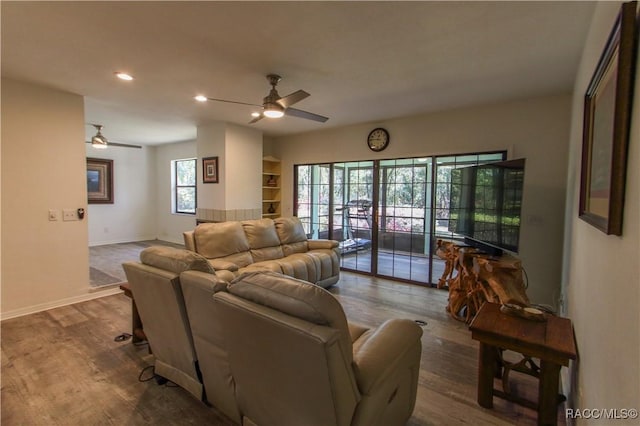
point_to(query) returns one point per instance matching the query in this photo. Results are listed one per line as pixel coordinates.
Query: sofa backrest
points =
(224, 240)
(198, 289)
(249, 241)
(293, 335)
(263, 240)
(156, 289)
(291, 234)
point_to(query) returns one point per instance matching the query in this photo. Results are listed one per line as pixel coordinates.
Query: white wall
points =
(537, 129)
(602, 272)
(44, 263)
(170, 226)
(211, 143)
(239, 151)
(132, 216)
(243, 168)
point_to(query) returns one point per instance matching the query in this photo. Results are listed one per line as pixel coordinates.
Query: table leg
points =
(487, 368)
(136, 324)
(548, 393)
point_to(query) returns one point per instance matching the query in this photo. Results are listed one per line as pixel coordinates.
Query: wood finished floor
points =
(63, 367)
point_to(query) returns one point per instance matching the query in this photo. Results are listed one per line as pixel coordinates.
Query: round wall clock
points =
(378, 139)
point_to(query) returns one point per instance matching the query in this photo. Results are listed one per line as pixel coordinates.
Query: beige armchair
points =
(296, 361)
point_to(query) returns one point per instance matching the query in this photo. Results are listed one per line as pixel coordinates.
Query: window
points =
(184, 183)
(386, 214)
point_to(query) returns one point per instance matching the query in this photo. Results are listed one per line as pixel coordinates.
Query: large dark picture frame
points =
(607, 120)
(99, 181)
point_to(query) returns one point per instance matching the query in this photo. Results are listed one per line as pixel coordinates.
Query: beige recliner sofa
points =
(295, 360)
(279, 245)
(155, 285)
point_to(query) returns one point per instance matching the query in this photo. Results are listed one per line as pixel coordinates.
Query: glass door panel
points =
(353, 195)
(312, 199)
(442, 198)
(404, 213)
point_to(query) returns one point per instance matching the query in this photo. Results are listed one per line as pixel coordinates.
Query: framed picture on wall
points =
(607, 120)
(99, 181)
(210, 170)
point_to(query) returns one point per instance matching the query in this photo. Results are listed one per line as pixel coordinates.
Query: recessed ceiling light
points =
(255, 114)
(200, 98)
(124, 76)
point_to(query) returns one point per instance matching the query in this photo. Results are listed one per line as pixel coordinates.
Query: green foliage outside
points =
(185, 186)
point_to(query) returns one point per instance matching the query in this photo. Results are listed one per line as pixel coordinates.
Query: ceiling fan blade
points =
(124, 145)
(304, 114)
(258, 118)
(293, 98)
(233, 102)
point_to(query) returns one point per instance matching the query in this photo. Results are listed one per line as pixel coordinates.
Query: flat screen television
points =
(485, 205)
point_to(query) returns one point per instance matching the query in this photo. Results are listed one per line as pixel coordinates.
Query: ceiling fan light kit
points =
(124, 76)
(273, 105)
(273, 110)
(100, 142)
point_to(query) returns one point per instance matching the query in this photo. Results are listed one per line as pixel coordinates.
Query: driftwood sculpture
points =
(474, 277)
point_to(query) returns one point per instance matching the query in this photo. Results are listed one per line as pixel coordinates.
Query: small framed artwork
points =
(607, 120)
(99, 181)
(210, 170)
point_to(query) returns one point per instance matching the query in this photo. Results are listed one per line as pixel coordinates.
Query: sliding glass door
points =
(386, 214)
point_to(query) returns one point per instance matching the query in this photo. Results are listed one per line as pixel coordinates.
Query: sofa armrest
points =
(322, 244)
(223, 265)
(376, 353)
(174, 259)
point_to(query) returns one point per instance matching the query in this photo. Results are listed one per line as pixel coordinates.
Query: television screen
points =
(486, 203)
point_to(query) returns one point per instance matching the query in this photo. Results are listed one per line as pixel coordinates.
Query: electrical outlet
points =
(54, 215)
(69, 215)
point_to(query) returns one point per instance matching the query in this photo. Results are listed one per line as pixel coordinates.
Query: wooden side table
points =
(136, 323)
(551, 341)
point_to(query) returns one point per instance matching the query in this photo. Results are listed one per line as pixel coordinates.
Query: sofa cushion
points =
(291, 234)
(263, 239)
(260, 233)
(223, 240)
(174, 259)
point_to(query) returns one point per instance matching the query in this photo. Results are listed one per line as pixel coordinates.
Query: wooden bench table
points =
(552, 341)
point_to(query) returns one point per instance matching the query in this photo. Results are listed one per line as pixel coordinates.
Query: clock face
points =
(378, 139)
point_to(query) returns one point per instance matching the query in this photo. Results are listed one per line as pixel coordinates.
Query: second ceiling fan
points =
(275, 106)
(100, 141)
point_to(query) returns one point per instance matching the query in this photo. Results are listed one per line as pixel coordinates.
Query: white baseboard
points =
(92, 294)
(119, 241)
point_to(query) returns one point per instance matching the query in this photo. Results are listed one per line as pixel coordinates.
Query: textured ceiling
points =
(361, 61)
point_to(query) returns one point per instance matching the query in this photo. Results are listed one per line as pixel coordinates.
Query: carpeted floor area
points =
(105, 262)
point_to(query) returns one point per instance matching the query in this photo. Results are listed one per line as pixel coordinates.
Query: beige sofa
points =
(229, 349)
(274, 350)
(279, 245)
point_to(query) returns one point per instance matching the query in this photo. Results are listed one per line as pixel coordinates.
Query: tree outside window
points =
(185, 186)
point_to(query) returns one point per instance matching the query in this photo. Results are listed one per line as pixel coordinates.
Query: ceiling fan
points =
(275, 106)
(100, 141)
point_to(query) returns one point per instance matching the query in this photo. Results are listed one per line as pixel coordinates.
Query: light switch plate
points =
(69, 215)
